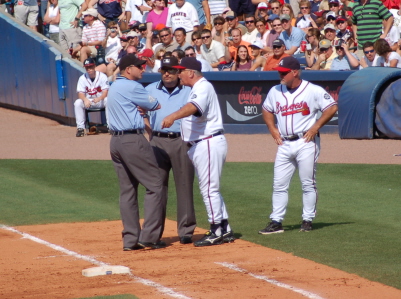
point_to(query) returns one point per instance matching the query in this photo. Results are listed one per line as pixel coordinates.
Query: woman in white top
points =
(52, 18)
(387, 58)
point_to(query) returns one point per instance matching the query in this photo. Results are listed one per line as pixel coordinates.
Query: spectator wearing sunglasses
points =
(343, 32)
(212, 51)
(167, 40)
(220, 26)
(292, 36)
(232, 21)
(345, 60)
(206, 67)
(370, 58)
(250, 34)
(326, 56)
(197, 42)
(334, 6)
(278, 54)
(307, 20)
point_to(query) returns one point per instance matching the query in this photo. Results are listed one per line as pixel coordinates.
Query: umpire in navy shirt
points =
(169, 149)
(133, 157)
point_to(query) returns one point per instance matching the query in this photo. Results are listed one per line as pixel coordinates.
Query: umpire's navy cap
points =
(190, 63)
(169, 62)
(287, 64)
(128, 60)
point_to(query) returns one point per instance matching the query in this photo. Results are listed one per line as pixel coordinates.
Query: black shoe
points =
(80, 132)
(137, 246)
(228, 237)
(159, 244)
(209, 239)
(185, 240)
(273, 227)
(306, 226)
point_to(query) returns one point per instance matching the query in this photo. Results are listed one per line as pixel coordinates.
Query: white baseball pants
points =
(208, 157)
(290, 155)
(79, 109)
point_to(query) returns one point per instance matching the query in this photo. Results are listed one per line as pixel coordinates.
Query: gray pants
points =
(135, 163)
(172, 154)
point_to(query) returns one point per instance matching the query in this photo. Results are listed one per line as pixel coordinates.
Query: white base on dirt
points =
(105, 270)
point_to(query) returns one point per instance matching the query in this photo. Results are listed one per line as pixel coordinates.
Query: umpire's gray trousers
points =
(135, 163)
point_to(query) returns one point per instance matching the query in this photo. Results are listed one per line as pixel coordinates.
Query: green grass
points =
(356, 229)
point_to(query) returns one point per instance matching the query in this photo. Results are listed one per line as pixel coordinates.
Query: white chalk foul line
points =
(147, 282)
(272, 281)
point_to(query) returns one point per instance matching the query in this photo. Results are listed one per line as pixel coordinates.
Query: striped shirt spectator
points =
(96, 32)
(367, 21)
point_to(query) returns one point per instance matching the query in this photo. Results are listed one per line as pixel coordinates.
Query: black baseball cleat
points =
(306, 226)
(185, 240)
(159, 244)
(80, 132)
(209, 239)
(137, 246)
(273, 227)
(228, 237)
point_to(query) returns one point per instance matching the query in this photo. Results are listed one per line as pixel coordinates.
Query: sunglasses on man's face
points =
(205, 37)
(215, 24)
(190, 55)
(370, 51)
(277, 25)
(162, 36)
(170, 71)
(276, 47)
(196, 38)
(304, 7)
(249, 22)
(331, 19)
(340, 22)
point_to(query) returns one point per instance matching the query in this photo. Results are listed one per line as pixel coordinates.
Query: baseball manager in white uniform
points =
(295, 103)
(202, 128)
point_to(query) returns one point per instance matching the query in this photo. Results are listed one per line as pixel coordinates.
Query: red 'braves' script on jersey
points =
(250, 97)
(301, 107)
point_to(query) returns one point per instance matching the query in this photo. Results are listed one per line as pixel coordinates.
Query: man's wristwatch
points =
(76, 19)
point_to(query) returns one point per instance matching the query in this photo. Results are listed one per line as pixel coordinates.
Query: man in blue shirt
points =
(170, 150)
(345, 60)
(133, 158)
(292, 36)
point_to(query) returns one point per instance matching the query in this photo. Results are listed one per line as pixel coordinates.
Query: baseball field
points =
(59, 215)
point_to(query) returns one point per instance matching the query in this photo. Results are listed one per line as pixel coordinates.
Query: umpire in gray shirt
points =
(169, 149)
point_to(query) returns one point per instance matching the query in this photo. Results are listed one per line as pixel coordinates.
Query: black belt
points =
(166, 135)
(296, 137)
(191, 143)
(116, 133)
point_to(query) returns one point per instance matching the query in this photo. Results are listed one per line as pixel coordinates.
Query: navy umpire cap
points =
(89, 62)
(190, 63)
(287, 64)
(130, 59)
(169, 62)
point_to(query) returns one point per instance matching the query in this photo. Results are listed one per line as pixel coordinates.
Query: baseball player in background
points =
(202, 129)
(295, 103)
(169, 148)
(92, 92)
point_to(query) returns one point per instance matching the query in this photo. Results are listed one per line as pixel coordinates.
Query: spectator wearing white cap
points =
(93, 35)
(330, 32)
(262, 11)
(292, 36)
(331, 18)
(259, 60)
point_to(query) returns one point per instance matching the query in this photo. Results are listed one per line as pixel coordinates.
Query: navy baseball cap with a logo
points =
(190, 63)
(287, 64)
(89, 62)
(169, 62)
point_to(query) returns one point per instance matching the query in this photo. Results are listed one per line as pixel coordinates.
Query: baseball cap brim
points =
(89, 64)
(179, 67)
(281, 69)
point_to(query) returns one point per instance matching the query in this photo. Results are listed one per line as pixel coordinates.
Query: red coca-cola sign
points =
(250, 97)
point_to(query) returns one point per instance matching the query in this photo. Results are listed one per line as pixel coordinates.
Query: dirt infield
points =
(241, 270)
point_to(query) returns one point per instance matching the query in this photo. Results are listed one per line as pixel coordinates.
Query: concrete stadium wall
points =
(36, 76)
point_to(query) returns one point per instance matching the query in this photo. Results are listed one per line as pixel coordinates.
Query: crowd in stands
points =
(229, 35)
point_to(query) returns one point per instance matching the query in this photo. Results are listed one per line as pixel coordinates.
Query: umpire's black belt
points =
(166, 134)
(191, 143)
(116, 133)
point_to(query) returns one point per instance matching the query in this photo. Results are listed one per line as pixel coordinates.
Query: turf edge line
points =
(147, 282)
(272, 281)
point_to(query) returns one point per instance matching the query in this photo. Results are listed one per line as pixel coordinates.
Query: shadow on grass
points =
(315, 225)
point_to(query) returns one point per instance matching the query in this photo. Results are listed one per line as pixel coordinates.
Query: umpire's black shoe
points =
(273, 227)
(137, 246)
(80, 132)
(306, 226)
(209, 239)
(159, 244)
(228, 237)
(185, 240)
